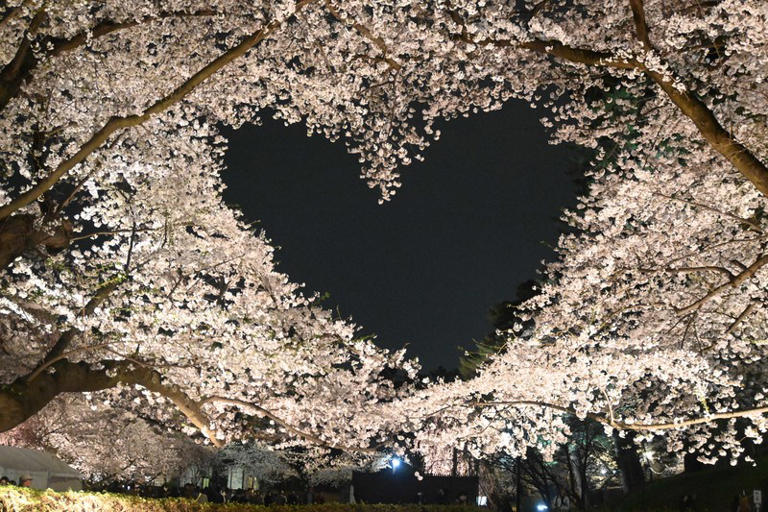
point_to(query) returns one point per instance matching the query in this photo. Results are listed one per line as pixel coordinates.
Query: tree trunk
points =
(518, 485)
(628, 460)
(19, 234)
(15, 237)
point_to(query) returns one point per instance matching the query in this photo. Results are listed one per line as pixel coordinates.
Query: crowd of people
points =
(218, 493)
(24, 481)
(249, 496)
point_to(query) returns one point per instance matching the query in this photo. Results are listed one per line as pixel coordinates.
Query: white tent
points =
(47, 471)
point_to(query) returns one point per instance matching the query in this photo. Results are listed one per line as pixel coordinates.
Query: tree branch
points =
(12, 13)
(741, 317)
(364, 31)
(754, 225)
(641, 26)
(689, 105)
(21, 399)
(290, 428)
(734, 282)
(119, 123)
(759, 411)
(685, 270)
(107, 27)
(57, 351)
(13, 77)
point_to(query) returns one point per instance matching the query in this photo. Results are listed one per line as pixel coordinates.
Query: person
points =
(5, 480)
(688, 503)
(744, 504)
(251, 496)
(25, 480)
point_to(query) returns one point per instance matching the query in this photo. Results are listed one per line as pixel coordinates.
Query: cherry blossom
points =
(126, 278)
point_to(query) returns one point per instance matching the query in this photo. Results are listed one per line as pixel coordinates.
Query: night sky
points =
(468, 226)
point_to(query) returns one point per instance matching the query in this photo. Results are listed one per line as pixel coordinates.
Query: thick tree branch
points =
(692, 107)
(24, 50)
(22, 399)
(707, 123)
(641, 25)
(744, 314)
(703, 118)
(713, 132)
(11, 76)
(18, 233)
(57, 351)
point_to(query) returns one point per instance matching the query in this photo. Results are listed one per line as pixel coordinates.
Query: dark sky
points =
(468, 226)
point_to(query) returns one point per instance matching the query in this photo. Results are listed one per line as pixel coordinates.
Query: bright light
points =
(395, 463)
(648, 454)
(603, 471)
(541, 507)
(482, 501)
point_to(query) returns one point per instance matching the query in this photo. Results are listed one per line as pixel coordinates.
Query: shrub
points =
(16, 499)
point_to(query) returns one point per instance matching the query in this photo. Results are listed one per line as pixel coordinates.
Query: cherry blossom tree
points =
(653, 318)
(106, 443)
(124, 274)
(123, 271)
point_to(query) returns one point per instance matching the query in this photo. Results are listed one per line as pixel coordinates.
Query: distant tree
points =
(504, 319)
